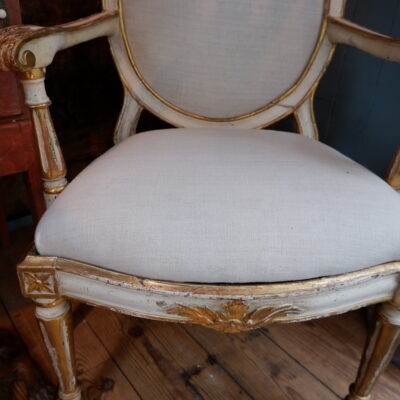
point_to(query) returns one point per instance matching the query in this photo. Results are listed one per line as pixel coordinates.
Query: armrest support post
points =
(51, 158)
(27, 50)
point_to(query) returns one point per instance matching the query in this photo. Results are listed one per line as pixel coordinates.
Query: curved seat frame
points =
(52, 281)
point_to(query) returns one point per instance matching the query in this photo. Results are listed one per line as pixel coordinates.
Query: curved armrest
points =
(24, 47)
(343, 31)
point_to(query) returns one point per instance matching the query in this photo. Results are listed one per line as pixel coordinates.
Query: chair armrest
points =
(27, 50)
(24, 47)
(343, 31)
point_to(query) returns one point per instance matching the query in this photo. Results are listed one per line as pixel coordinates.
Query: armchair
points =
(215, 224)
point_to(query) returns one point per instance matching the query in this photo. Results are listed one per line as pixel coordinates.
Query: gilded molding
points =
(235, 317)
(40, 282)
(352, 396)
(382, 343)
(12, 39)
(51, 157)
(35, 73)
(290, 90)
(57, 330)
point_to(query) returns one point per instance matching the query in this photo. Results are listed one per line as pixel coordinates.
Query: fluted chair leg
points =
(382, 343)
(55, 320)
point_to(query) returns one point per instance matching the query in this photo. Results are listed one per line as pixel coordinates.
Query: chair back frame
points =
(50, 281)
(296, 100)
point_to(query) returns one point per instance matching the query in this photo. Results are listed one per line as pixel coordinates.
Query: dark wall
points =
(356, 104)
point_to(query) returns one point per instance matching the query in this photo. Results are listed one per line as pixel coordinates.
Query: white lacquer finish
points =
(25, 48)
(335, 298)
(275, 111)
(128, 118)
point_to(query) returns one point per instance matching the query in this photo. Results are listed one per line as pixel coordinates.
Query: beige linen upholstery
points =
(222, 58)
(224, 205)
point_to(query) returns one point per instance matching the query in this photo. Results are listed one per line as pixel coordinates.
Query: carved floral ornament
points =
(41, 284)
(235, 316)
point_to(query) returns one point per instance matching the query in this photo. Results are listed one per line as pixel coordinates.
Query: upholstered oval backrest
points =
(221, 58)
(218, 60)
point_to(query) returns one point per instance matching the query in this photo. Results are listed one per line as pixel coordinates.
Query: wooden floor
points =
(124, 358)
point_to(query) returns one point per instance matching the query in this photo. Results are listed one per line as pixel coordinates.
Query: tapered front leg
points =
(381, 345)
(55, 320)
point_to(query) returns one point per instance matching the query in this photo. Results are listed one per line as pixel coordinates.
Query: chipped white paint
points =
(153, 299)
(346, 32)
(59, 342)
(50, 313)
(35, 92)
(392, 314)
(128, 119)
(305, 119)
(51, 157)
(65, 334)
(152, 303)
(337, 7)
(52, 353)
(45, 47)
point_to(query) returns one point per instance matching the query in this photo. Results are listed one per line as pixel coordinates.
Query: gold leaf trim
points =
(38, 282)
(235, 316)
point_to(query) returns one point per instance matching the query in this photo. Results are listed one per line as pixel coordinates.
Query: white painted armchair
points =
(217, 224)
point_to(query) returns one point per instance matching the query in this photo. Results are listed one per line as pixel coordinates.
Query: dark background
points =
(356, 104)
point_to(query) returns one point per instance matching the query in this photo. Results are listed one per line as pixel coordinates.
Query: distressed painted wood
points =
(55, 321)
(305, 120)
(277, 110)
(23, 48)
(343, 31)
(314, 360)
(382, 343)
(51, 158)
(128, 119)
(54, 277)
(230, 308)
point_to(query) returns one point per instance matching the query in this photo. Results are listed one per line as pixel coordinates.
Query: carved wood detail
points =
(235, 317)
(11, 40)
(38, 283)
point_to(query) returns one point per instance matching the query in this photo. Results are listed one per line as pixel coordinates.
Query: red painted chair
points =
(17, 144)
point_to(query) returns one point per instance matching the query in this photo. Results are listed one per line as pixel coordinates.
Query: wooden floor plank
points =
(5, 321)
(261, 367)
(21, 313)
(123, 358)
(156, 368)
(331, 349)
(106, 382)
(199, 369)
(136, 356)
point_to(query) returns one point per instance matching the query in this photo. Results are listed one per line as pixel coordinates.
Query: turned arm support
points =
(28, 50)
(25, 47)
(343, 31)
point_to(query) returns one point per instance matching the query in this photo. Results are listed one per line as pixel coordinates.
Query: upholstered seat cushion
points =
(224, 205)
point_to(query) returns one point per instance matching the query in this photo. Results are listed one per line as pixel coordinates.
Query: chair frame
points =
(51, 281)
